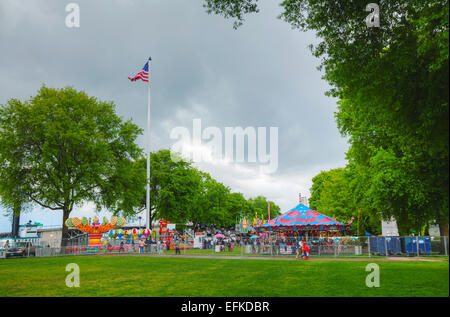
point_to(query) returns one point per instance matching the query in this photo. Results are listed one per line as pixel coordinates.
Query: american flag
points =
(142, 75)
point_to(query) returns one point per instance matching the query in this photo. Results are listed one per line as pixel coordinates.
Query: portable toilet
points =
(381, 241)
(377, 245)
(425, 245)
(393, 245)
(409, 245)
(373, 245)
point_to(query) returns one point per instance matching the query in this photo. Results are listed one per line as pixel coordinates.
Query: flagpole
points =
(148, 147)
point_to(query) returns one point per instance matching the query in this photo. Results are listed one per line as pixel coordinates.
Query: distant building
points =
(389, 228)
(37, 234)
(51, 237)
(303, 200)
(434, 230)
(27, 233)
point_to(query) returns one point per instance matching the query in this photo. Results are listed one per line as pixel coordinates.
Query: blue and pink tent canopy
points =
(302, 218)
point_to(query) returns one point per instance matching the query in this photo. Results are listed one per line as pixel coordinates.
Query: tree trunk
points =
(443, 228)
(426, 230)
(65, 230)
(151, 221)
(403, 225)
(16, 220)
(152, 217)
(360, 228)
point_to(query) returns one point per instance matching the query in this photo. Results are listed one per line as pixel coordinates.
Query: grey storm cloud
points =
(260, 75)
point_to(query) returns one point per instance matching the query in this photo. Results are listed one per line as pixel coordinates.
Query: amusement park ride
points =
(299, 222)
(95, 229)
(98, 239)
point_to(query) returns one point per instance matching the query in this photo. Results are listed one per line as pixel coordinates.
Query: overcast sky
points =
(260, 75)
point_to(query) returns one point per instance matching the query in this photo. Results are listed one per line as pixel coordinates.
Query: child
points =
(305, 250)
(177, 247)
(299, 250)
(141, 246)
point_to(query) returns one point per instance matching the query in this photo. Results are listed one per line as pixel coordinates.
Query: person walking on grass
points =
(299, 250)
(293, 247)
(301, 244)
(177, 247)
(158, 246)
(141, 246)
(305, 250)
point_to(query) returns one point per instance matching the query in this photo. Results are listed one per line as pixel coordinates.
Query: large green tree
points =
(181, 193)
(174, 184)
(236, 203)
(392, 86)
(259, 206)
(335, 193)
(331, 195)
(211, 202)
(62, 148)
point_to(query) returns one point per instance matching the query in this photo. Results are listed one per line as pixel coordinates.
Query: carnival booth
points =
(304, 223)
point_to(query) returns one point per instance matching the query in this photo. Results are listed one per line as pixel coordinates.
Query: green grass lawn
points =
(190, 277)
(237, 252)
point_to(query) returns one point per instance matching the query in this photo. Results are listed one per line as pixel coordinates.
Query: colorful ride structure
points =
(129, 234)
(305, 222)
(249, 224)
(95, 229)
(164, 233)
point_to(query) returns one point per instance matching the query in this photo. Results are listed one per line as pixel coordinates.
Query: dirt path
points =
(391, 259)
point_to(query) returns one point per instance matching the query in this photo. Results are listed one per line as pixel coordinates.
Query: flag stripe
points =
(142, 75)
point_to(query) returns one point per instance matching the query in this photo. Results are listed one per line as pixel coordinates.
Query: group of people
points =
(298, 246)
(141, 246)
(278, 247)
(226, 243)
(302, 250)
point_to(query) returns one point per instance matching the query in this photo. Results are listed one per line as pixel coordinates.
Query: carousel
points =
(304, 223)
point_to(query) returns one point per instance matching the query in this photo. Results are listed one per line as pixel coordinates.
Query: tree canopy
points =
(62, 148)
(181, 193)
(335, 193)
(392, 85)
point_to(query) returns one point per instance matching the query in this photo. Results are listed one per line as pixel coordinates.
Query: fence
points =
(356, 246)
(80, 247)
(322, 247)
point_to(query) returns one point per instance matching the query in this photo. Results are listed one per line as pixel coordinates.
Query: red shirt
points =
(305, 248)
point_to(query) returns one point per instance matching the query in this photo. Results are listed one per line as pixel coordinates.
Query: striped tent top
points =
(302, 216)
